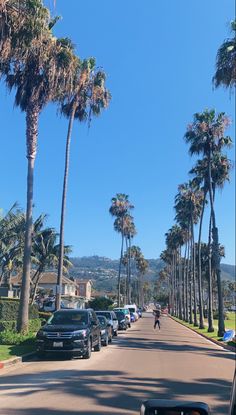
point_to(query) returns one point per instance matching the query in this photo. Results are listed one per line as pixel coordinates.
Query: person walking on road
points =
(157, 314)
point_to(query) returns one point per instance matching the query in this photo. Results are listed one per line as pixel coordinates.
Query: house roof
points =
(82, 281)
(46, 278)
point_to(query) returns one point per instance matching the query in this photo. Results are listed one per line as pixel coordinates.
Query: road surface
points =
(142, 363)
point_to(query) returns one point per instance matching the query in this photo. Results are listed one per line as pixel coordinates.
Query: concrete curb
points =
(15, 360)
(221, 344)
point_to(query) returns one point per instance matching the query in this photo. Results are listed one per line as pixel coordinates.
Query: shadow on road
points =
(109, 389)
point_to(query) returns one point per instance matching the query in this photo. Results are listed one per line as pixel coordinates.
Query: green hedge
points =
(12, 338)
(9, 310)
(10, 325)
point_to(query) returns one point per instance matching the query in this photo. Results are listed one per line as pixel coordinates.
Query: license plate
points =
(57, 344)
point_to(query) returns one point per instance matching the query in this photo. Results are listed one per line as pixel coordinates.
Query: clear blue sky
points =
(159, 56)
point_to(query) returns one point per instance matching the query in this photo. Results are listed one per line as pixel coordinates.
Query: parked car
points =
(139, 311)
(126, 312)
(132, 318)
(72, 331)
(122, 321)
(106, 330)
(111, 317)
(133, 309)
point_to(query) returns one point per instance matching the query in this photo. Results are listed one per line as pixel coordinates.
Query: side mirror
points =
(43, 322)
(166, 407)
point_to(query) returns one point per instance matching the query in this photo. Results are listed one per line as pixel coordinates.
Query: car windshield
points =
(120, 315)
(132, 310)
(106, 314)
(69, 317)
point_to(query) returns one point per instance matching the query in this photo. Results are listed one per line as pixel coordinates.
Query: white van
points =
(133, 309)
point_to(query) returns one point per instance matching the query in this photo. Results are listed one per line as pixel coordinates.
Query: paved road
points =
(142, 363)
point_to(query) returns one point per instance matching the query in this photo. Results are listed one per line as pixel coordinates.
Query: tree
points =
(88, 98)
(120, 208)
(225, 74)
(46, 69)
(45, 254)
(100, 303)
(220, 168)
(206, 136)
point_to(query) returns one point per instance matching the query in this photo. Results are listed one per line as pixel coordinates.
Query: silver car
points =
(112, 318)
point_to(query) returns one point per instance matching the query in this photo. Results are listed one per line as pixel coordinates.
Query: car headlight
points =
(41, 333)
(103, 331)
(80, 333)
(122, 321)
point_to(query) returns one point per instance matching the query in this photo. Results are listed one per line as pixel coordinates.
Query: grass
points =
(7, 352)
(213, 335)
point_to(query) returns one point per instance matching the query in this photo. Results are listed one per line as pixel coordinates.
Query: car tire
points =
(98, 346)
(129, 325)
(110, 340)
(116, 333)
(106, 341)
(88, 353)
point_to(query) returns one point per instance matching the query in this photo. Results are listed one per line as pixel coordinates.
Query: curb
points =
(14, 360)
(221, 344)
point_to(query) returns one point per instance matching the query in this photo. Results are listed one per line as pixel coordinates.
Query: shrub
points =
(216, 315)
(9, 310)
(12, 338)
(100, 303)
(10, 325)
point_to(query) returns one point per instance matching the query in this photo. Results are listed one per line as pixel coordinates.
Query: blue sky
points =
(159, 57)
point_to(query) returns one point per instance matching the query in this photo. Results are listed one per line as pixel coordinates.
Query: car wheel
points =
(129, 325)
(110, 339)
(88, 353)
(116, 333)
(98, 346)
(106, 341)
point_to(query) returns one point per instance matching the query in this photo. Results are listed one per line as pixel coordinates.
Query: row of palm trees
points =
(40, 68)
(185, 271)
(121, 209)
(44, 254)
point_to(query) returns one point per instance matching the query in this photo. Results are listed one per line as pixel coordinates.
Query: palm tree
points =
(120, 208)
(206, 136)
(220, 169)
(89, 97)
(47, 68)
(225, 74)
(46, 253)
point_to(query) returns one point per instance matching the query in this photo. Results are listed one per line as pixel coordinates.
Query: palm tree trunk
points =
(63, 208)
(129, 267)
(201, 322)
(194, 277)
(32, 118)
(35, 287)
(191, 283)
(216, 256)
(210, 293)
(180, 286)
(121, 256)
(184, 285)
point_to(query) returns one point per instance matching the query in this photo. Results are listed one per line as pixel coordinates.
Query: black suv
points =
(71, 331)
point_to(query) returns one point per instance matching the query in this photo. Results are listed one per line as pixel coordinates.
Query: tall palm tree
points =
(225, 74)
(206, 136)
(120, 208)
(88, 98)
(220, 169)
(46, 68)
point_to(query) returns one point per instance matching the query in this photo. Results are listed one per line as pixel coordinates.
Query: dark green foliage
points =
(10, 325)
(13, 338)
(100, 303)
(9, 310)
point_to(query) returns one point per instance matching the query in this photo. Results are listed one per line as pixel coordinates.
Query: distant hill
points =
(104, 271)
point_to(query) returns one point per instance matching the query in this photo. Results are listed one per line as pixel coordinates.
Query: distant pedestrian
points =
(157, 314)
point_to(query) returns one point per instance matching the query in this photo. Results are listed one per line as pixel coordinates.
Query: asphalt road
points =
(142, 363)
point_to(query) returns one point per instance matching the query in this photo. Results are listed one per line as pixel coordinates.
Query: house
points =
(48, 282)
(84, 288)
